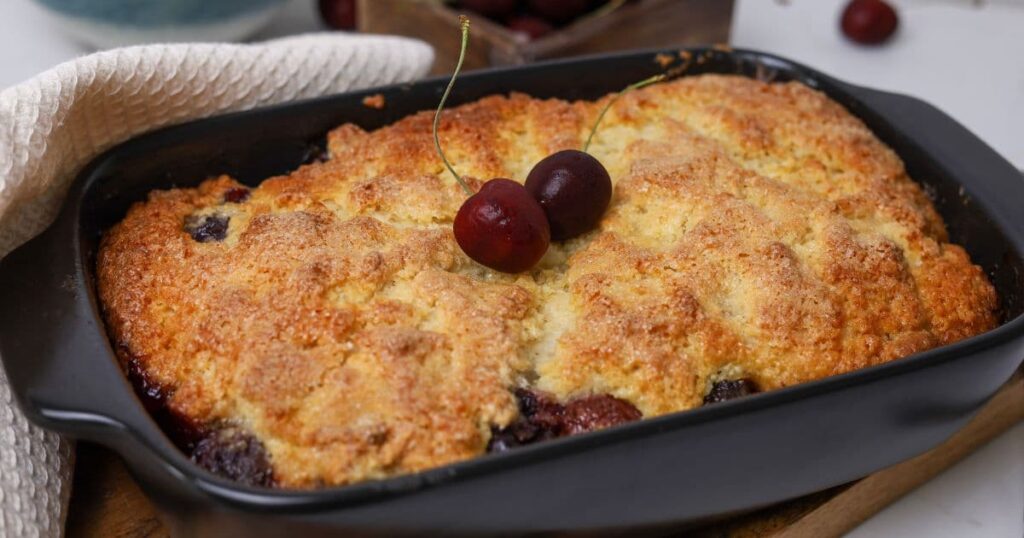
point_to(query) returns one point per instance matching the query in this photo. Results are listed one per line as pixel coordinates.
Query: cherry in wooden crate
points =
(633, 24)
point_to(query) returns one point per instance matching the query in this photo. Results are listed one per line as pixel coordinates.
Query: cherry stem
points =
(627, 89)
(607, 8)
(464, 25)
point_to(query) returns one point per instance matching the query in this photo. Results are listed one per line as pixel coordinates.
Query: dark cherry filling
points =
(542, 418)
(597, 412)
(153, 396)
(236, 195)
(539, 420)
(228, 451)
(234, 453)
(316, 153)
(207, 228)
(182, 431)
(729, 389)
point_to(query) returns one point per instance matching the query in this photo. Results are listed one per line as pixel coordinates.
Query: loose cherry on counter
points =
(869, 22)
(502, 226)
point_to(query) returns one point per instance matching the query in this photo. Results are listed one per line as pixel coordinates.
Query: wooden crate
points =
(644, 23)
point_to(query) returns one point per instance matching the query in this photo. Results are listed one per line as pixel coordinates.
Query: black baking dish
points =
(648, 475)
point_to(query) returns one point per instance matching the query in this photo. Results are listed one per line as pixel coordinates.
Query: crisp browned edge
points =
(106, 502)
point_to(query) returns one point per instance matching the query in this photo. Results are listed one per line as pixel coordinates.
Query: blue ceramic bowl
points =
(110, 23)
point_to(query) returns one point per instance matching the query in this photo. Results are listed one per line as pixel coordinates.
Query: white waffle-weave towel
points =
(53, 124)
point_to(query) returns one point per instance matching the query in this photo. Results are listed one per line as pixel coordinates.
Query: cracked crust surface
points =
(756, 230)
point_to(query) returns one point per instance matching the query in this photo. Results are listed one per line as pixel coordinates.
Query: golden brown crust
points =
(756, 230)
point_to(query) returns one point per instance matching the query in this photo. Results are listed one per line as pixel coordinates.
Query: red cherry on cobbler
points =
(502, 227)
(573, 188)
(507, 226)
(869, 22)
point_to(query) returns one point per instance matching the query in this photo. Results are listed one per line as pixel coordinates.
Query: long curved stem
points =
(634, 86)
(606, 9)
(464, 25)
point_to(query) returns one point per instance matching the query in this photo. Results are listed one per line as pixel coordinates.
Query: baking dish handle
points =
(56, 356)
(916, 126)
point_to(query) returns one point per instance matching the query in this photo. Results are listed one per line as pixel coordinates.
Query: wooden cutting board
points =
(106, 502)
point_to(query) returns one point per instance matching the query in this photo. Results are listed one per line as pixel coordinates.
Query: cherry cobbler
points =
(325, 327)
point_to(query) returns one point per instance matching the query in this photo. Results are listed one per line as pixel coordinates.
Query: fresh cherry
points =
(507, 226)
(339, 14)
(532, 26)
(558, 11)
(869, 22)
(503, 227)
(494, 9)
(573, 188)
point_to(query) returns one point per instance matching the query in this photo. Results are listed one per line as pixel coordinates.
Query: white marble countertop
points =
(965, 59)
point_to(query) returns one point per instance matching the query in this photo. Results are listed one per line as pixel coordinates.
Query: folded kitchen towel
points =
(53, 124)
